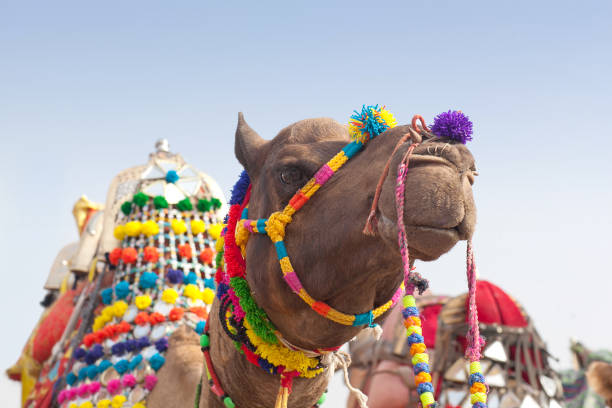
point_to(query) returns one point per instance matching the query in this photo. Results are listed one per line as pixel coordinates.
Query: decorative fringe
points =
(282, 397)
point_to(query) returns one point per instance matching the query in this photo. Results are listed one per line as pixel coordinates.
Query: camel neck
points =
(246, 384)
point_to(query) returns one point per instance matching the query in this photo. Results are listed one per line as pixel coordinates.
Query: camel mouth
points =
(426, 243)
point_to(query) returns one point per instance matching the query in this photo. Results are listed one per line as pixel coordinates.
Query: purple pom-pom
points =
(453, 125)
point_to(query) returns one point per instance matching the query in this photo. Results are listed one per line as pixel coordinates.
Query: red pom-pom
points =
(142, 318)
(115, 256)
(129, 255)
(206, 256)
(156, 318)
(199, 311)
(185, 251)
(150, 254)
(176, 314)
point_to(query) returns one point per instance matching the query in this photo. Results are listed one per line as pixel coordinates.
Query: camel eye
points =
(291, 176)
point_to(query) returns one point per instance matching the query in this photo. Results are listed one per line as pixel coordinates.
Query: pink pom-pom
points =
(62, 396)
(72, 393)
(150, 381)
(129, 380)
(114, 386)
(83, 390)
(94, 387)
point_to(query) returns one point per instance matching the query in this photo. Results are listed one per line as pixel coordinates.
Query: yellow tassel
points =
(282, 398)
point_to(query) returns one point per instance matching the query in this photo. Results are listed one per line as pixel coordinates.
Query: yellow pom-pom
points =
(215, 230)
(219, 244)
(150, 228)
(98, 323)
(73, 405)
(197, 227)
(427, 399)
(133, 228)
(408, 301)
(119, 232)
(108, 313)
(86, 404)
(105, 403)
(192, 292)
(178, 226)
(142, 301)
(139, 405)
(119, 308)
(208, 295)
(475, 367)
(118, 401)
(414, 329)
(420, 358)
(169, 296)
(478, 397)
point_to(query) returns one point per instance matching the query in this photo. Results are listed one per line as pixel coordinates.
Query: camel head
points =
(336, 262)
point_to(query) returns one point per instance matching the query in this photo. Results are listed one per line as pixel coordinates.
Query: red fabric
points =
(429, 324)
(52, 327)
(496, 307)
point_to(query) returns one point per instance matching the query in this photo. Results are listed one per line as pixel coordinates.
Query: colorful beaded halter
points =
(247, 324)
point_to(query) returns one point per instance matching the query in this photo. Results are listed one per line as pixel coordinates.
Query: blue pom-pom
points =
(71, 378)
(122, 366)
(240, 188)
(92, 372)
(82, 373)
(162, 344)
(135, 361)
(157, 361)
(147, 280)
(80, 353)
(107, 296)
(172, 176)
(191, 277)
(453, 125)
(209, 283)
(175, 276)
(421, 367)
(104, 364)
(370, 122)
(424, 387)
(122, 289)
(200, 327)
(476, 377)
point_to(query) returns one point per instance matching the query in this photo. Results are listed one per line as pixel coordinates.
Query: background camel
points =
(515, 359)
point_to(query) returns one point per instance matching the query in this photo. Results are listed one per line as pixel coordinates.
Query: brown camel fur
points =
(336, 262)
(599, 376)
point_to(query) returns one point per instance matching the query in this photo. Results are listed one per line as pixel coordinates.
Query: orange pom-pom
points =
(156, 318)
(150, 254)
(176, 314)
(115, 256)
(478, 387)
(206, 256)
(417, 348)
(199, 311)
(422, 377)
(142, 318)
(185, 251)
(129, 255)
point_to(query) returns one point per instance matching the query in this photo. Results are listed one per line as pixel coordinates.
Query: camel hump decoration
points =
(142, 269)
(515, 358)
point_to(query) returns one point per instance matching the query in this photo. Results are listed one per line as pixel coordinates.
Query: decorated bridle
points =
(248, 325)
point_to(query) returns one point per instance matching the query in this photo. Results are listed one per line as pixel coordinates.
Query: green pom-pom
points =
(204, 341)
(184, 205)
(322, 399)
(140, 199)
(160, 202)
(204, 205)
(126, 207)
(227, 401)
(216, 203)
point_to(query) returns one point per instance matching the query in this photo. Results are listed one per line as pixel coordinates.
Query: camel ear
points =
(248, 144)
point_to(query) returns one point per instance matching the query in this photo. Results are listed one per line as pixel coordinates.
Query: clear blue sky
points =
(87, 87)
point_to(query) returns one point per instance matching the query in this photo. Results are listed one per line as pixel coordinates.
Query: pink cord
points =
(402, 239)
(475, 342)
